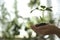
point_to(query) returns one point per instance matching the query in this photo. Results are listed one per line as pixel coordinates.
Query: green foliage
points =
(16, 29)
(10, 24)
(15, 9)
(3, 19)
(33, 3)
(43, 9)
(26, 28)
(51, 21)
(15, 21)
(4, 12)
(28, 24)
(48, 9)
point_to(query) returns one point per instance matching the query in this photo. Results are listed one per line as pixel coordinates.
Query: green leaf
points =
(31, 11)
(37, 8)
(48, 9)
(43, 7)
(34, 9)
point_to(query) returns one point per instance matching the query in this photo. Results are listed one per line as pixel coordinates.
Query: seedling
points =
(43, 9)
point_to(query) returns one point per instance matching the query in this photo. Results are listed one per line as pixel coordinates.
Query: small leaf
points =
(43, 7)
(32, 10)
(48, 9)
(37, 8)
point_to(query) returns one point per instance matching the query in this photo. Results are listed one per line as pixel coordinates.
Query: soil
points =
(41, 24)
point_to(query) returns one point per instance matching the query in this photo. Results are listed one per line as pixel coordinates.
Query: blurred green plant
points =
(43, 9)
(3, 20)
(9, 24)
(4, 12)
(33, 3)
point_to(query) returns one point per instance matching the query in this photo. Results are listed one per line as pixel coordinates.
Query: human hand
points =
(45, 29)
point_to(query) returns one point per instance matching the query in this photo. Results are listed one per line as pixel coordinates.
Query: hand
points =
(45, 29)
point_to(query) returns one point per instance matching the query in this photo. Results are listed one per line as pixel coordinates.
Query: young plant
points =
(43, 9)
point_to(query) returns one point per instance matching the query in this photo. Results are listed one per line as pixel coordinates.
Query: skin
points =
(46, 29)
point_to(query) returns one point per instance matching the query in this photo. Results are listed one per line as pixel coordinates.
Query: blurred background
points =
(17, 16)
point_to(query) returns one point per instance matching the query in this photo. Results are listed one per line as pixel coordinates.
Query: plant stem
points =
(43, 16)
